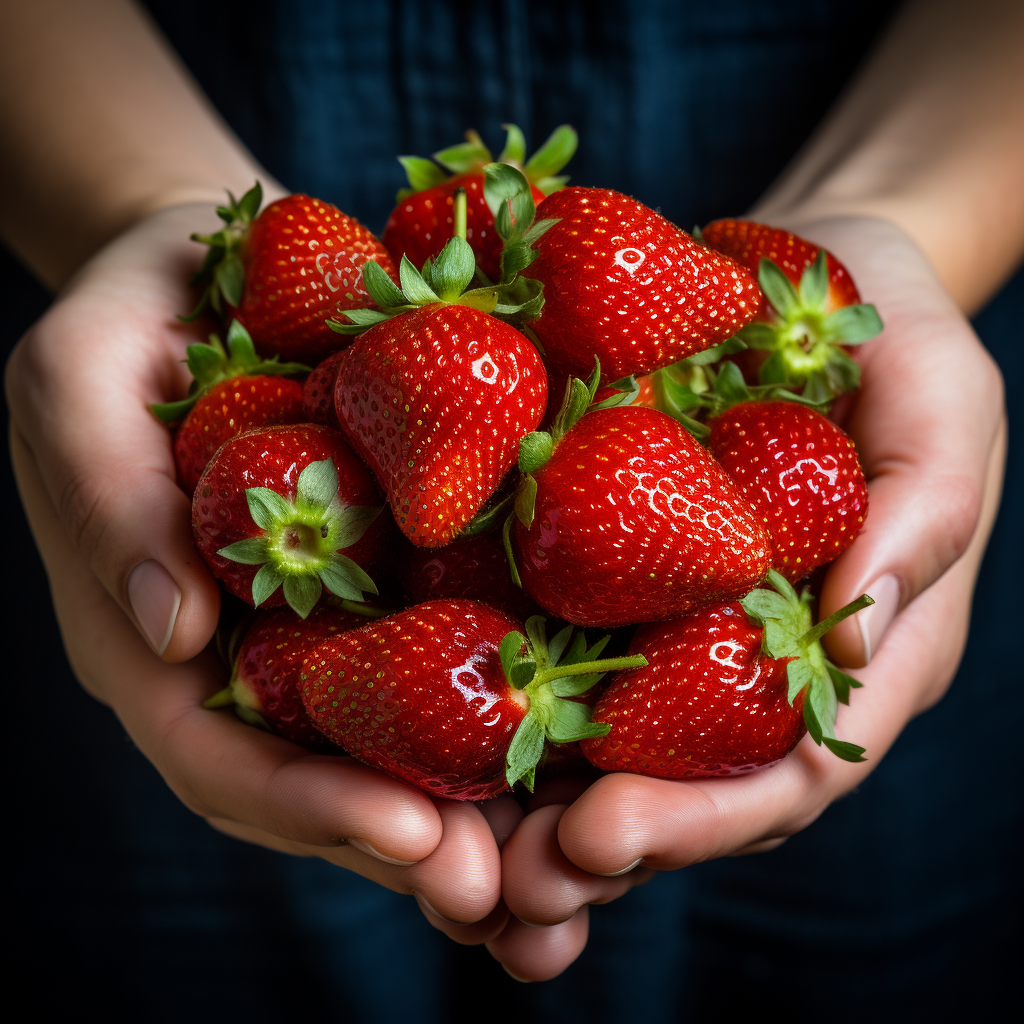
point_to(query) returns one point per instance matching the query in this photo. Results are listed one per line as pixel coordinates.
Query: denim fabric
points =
(899, 900)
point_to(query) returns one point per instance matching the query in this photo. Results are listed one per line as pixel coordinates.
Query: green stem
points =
(221, 699)
(817, 632)
(546, 675)
(366, 610)
(459, 202)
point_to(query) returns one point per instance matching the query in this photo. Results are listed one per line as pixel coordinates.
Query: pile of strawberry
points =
(427, 463)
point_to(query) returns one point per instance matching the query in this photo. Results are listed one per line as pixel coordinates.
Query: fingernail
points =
(624, 871)
(427, 908)
(876, 619)
(515, 977)
(155, 599)
(366, 848)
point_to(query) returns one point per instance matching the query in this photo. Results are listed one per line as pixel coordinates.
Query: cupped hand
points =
(930, 429)
(137, 607)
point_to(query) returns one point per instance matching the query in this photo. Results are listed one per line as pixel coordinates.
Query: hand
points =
(930, 429)
(97, 478)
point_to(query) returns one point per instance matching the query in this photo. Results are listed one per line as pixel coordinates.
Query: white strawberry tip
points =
(790, 636)
(299, 547)
(546, 673)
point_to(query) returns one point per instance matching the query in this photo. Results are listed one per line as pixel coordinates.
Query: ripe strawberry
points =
(724, 694)
(624, 517)
(451, 697)
(318, 392)
(626, 285)
(810, 311)
(296, 502)
(285, 272)
(801, 474)
(436, 397)
(265, 688)
(423, 220)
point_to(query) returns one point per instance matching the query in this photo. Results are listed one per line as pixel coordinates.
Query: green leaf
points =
(551, 184)
(570, 722)
(422, 173)
(317, 486)
(252, 551)
(558, 644)
(843, 373)
(239, 342)
(506, 540)
(266, 581)
(818, 391)
(717, 352)
(488, 519)
(267, 507)
(302, 593)
(573, 407)
(230, 279)
(535, 450)
(362, 317)
(205, 362)
(847, 751)
(515, 145)
(626, 391)
(509, 649)
(453, 269)
(465, 157)
(853, 325)
(171, 412)
(516, 256)
(842, 682)
(526, 500)
(759, 336)
(351, 522)
(731, 385)
(800, 676)
(382, 289)
(814, 283)
(523, 672)
(775, 370)
(351, 571)
(813, 725)
(525, 749)
(249, 205)
(417, 291)
(339, 581)
(821, 695)
(554, 154)
(508, 196)
(762, 605)
(780, 291)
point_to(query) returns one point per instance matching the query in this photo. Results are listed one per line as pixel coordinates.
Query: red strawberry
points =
(626, 285)
(288, 270)
(295, 502)
(722, 696)
(801, 474)
(436, 397)
(318, 392)
(444, 697)
(265, 687)
(423, 220)
(811, 307)
(227, 409)
(632, 520)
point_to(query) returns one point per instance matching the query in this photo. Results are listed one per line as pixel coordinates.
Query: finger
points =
(474, 934)
(217, 765)
(540, 885)
(540, 954)
(79, 387)
(502, 814)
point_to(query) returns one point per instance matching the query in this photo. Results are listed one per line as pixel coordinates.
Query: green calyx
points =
(549, 673)
(222, 275)
(300, 543)
(510, 199)
(472, 155)
(210, 364)
(807, 342)
(790, 636)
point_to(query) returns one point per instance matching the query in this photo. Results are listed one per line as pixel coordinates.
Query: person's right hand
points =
(137, 606)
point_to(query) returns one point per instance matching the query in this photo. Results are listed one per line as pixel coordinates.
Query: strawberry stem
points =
(221, 699)
(815, 633)
(459, 213)
(546, 675)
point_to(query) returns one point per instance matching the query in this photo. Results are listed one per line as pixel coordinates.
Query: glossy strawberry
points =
(728, 689)
(281, 512)
(450, 696)
(227, 409)
(423, 221)
(318, 392)
(810, 311)
(631, 521)
(626, 285)
(265, 687)
(285, 272)
(802, 475)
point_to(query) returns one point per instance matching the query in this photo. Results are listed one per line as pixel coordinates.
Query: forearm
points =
(100, 125)
(929, 136)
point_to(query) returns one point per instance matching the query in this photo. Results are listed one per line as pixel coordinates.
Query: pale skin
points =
(913, 181)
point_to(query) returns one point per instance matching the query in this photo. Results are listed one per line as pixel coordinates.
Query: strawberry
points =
(295, 502)
(451, 697)
(423, 220)
(265, 686)
(318, 392)
(728, 689)
(623, 517)
(285, 272)
(801, 474)
(437, 393)
(810, 312)
(624, 284)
